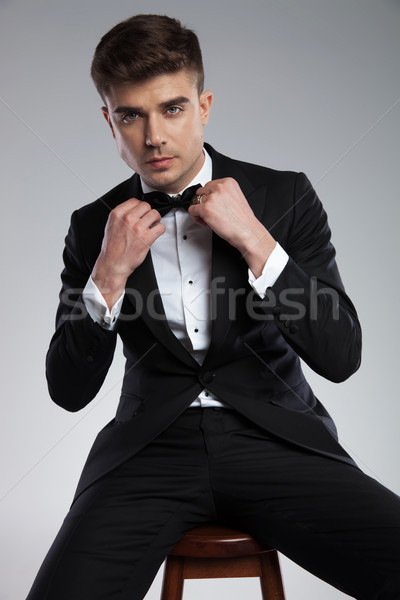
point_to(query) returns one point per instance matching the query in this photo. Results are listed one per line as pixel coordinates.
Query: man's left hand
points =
(226, 211)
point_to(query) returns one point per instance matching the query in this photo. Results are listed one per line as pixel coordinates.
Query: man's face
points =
(158, 127)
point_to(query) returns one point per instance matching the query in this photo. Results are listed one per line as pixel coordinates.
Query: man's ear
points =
(206, 99)
(106, 115)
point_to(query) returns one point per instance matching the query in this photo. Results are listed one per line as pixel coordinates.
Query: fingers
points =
(199, 221)
(218, 186)
(224, 191)
(133, 209)
(135, 215)
(207, 199)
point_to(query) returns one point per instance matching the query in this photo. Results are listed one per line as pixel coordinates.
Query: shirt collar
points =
(202, 177)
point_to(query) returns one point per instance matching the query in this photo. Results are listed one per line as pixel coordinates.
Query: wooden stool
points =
(212, 551)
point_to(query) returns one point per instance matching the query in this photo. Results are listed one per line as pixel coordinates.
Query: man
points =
(214, 306)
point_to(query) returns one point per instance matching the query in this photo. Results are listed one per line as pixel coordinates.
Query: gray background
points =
(307, 85)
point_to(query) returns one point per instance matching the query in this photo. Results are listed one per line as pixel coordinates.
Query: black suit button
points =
(89, 358)
(293, 329)
(208, 377)
(277, 311)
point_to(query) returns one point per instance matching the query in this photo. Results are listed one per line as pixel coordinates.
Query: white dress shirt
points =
(182, 263)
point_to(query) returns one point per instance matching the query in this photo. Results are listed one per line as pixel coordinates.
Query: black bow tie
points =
(163, 202)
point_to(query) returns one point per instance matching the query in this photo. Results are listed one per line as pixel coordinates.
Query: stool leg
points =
(172, 586)
(271, 580)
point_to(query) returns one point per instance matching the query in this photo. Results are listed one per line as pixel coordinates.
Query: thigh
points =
(119, 531)
(324, 514)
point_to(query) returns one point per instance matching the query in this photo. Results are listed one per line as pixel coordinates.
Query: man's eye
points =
(174, 110)
(130, 117)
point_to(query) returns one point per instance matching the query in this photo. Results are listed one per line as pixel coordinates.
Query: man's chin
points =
(164, 181)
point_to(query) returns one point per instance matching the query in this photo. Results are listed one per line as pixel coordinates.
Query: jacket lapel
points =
(144, 297)
(229, 271)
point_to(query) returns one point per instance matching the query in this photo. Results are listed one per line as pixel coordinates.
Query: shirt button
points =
(190, 282)
(185, 237)
(196, 330)
(206, 394)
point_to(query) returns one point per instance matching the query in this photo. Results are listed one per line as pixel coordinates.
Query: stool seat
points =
(216, 540)
(215, 551)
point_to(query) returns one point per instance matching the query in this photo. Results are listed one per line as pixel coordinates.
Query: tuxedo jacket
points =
(253, 361)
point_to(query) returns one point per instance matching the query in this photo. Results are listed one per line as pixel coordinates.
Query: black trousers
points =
(213, 464)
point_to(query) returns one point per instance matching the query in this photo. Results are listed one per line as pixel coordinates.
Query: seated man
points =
(218, 276)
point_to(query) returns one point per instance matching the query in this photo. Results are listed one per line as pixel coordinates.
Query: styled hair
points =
(142, 47)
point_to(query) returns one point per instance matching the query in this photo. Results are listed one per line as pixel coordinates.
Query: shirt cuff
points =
(274, 266)
(97, 306)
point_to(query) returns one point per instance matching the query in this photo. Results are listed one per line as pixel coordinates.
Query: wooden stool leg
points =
(271, 580)
(172, 586)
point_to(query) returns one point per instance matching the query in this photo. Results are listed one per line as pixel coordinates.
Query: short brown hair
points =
(142, 47)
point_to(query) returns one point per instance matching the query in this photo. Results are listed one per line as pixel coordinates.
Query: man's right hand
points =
(131, 229)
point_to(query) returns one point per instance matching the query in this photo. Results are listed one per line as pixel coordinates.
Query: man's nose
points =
(155, 134)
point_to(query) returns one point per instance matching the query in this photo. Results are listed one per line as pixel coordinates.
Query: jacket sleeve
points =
(81, 351)
(308, 302)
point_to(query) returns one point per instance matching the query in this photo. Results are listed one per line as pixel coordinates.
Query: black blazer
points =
(253, 360)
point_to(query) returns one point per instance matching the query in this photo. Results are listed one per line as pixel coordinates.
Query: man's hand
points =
(226, 211)
(131, 229)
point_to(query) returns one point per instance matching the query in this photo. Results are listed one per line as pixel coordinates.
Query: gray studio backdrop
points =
(308, 85)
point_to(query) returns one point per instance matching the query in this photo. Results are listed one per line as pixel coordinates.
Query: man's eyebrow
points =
(174, 101)
(162, 105)
(127, 109)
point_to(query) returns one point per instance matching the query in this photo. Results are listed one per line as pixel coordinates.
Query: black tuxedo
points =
(270, 464)
(253, 361)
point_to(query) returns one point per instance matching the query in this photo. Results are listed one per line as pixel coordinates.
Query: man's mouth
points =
(160, 162)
